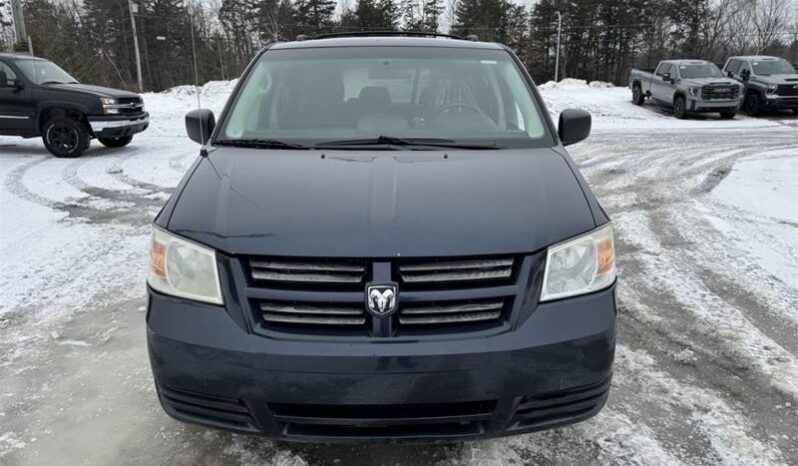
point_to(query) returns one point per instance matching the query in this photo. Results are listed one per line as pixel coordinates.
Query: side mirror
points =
(666, 76)
(18, 85)
(574, 126)
(745, 74)
(199, 125)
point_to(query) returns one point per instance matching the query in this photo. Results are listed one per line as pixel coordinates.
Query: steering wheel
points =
(448, 107)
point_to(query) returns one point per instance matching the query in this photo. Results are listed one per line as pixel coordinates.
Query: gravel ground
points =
(707, 362)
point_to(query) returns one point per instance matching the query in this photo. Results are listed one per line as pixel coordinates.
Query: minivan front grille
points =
(304, 272)
(329, 314)
(439, 272)
(451, 312)
(323, 297)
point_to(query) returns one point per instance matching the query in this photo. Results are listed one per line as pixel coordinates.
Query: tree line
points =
(600, 39)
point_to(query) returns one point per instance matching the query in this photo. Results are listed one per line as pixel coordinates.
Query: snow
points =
(612, 108)
(706, 218)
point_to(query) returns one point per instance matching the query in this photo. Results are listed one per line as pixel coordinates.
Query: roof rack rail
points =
(386, 33)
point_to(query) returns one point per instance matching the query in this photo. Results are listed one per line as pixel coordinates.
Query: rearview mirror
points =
(574, 126)
(199, 125)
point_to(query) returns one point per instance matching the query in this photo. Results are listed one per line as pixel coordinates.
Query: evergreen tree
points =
(315, 15)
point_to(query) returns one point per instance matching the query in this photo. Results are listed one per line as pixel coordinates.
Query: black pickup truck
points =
(37, 98)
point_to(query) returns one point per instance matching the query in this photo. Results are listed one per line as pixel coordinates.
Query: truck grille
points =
(457, 271)
(305, 272)
(727, 92)
(130, 105)
(323, 297)
(787, 90)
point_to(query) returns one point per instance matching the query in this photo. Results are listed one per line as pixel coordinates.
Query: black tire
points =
(753, 104)
(117, 142)
(65, 137)
(637, 95)
(679, 108)
(728, 114)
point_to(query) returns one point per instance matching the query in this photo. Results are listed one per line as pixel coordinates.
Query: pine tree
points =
(315, 15)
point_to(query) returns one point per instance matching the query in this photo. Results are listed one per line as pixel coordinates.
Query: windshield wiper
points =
(261, 144)
(394, 141)
(51, 82)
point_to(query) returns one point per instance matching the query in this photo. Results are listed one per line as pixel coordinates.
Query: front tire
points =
(637, 96)
(66, 137)
(679, 108)
(753, 105)
(728, 115)
(116, 142)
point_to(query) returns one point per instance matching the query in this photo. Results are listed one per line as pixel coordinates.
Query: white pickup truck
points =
(688, 86)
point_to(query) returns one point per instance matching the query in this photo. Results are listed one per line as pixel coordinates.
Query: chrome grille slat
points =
(456, 271)
(490, 274)
(453, 309)
(306, 277)
(311, 271)
(288, 308)
(313, 320)
(308, 266)
(452, 318)
(465, 264)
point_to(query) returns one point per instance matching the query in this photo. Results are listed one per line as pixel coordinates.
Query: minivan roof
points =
(385, 41)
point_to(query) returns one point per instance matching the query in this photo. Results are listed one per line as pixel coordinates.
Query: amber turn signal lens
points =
(605, 256)
(158, 259)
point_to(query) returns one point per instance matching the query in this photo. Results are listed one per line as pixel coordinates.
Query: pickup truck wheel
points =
(728, 115)
(679, 109)
(65, 137)
(637, 96)
(116, 142)
(753, 105)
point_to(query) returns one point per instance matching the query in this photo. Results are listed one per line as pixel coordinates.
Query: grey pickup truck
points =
(770, 82)
(688, 86)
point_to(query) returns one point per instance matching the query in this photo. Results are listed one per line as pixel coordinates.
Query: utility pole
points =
(557, 59)
(135, 43)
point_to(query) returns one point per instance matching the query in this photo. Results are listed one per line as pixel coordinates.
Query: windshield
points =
(349, 94)
(700, 71)
(44, 72)
(779, 66)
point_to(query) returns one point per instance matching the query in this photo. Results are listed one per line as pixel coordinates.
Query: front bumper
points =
(697, 105)
(119, 126)
(552, 369)
(777, 101)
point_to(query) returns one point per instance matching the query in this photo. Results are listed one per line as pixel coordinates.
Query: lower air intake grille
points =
(304, 272)
(223, 412)
(322, 314)
(451, 312)
(456, 271)
(561, 406)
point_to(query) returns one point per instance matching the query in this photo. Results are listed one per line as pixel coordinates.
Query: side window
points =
(663, 68)
(10, 75)
(733, 66)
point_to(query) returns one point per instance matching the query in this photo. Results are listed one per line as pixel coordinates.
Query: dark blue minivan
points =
(383, 239)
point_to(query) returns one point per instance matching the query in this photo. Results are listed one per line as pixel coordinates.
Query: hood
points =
(98, 91)
(778, 78)
(381, 203)
(710, 81)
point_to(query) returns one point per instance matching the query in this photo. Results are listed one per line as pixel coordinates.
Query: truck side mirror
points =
(574, 126)
(666, 76)
(745, 74)
(18, 85)
(199, 125)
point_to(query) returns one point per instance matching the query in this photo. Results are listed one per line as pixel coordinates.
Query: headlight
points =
(182, 268)
(107, 101)
(772, 88)
(694, 90)
(580, 265)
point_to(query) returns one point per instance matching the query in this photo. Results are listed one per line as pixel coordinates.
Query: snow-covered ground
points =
(706, 214)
